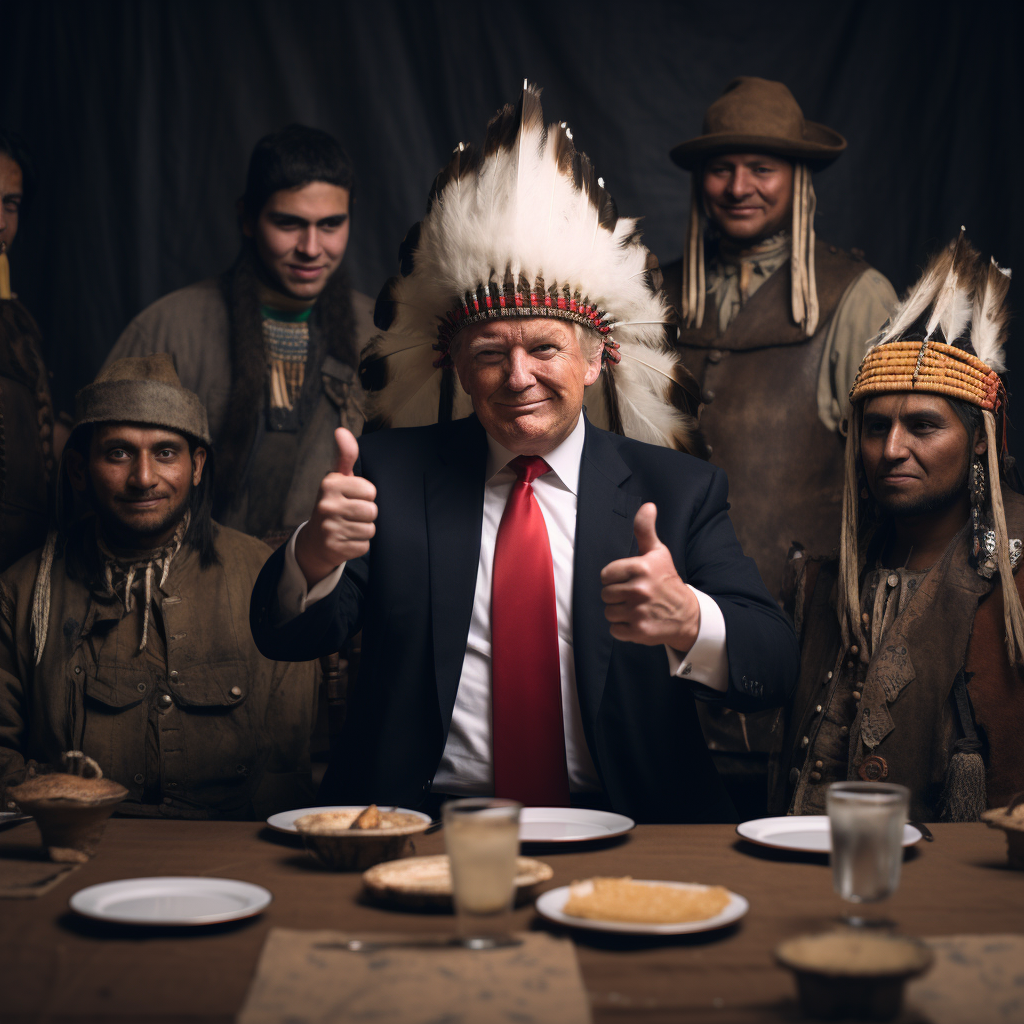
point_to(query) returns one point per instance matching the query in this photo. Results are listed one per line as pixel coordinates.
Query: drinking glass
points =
(482, 838)
(866, 820)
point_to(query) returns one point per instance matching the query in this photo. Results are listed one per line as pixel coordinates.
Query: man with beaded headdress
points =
(125, 636)
(913, 642)
(772, 323)
(517, 571)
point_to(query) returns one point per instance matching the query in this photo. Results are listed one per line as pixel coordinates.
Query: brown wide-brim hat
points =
(143, 389)
(759, 116)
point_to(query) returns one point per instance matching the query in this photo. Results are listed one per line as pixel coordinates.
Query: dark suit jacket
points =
(412, 595)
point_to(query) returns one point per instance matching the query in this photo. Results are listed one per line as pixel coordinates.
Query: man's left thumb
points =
(643, 528)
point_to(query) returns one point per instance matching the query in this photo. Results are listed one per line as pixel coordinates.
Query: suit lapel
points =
(454, 500)
(604, 532)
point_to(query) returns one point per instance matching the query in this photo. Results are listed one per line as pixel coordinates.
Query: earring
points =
(976, 489)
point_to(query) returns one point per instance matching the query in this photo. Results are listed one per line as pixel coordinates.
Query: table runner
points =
(304, 977)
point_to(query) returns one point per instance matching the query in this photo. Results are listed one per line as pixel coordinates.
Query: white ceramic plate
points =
(550, 905)
(171, 900)
(804, 833)
(285, 820)
(570, 825)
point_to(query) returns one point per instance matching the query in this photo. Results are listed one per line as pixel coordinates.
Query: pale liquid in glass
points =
(482, 852)
(867, 848)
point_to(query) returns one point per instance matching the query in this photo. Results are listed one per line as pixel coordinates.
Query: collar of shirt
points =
(564, 460)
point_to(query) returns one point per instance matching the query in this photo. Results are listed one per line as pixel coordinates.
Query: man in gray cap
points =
(773, 324)
(126, 636)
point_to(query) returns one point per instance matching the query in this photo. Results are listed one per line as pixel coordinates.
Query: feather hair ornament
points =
(946, 338)
(524, 227)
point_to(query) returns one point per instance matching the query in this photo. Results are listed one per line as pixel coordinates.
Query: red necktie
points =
(526, 690)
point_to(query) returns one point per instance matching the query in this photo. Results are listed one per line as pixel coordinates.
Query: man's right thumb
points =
(348, 451)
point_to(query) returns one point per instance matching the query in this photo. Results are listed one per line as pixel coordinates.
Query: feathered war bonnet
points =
(523, 227)
(945, 338)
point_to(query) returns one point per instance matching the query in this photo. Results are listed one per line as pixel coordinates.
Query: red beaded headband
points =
(490, 302)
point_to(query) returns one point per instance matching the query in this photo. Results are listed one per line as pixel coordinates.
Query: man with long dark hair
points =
(27, 448)
(271, 346)
(125, 636)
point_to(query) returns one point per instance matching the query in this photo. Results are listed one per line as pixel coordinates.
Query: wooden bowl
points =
(331, 841)
(852, 973)
(425, 883)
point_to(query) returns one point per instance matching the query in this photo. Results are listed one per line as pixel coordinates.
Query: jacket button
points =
(709, 395)
(844, 731)
(854, 649)
(818, 764)
(236, 692)
(815, 776)
(714, 355)
(141, 687)
(873, 769)
(805, 742)
(893, 579)
(173, 674)
(165, 700)
(140, 779)
(829, 676)
(856, 694)
(817, 709)
(78, 670)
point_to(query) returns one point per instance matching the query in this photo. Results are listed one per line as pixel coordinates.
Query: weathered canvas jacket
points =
(198, 725)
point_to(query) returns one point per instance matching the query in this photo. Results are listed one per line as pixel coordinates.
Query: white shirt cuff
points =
(707, 661)
(293, 597)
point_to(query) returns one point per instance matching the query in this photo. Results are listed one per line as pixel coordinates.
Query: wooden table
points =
(57, 966)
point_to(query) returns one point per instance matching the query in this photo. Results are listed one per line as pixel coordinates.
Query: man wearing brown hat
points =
(773, 324)
(126, 636)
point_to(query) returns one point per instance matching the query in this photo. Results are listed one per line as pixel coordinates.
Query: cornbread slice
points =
(370, 818)
(622, 899)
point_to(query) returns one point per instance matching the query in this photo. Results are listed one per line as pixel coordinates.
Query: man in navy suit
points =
(532, 590)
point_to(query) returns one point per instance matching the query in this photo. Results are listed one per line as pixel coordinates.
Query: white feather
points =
(517, 211)
(990, 316)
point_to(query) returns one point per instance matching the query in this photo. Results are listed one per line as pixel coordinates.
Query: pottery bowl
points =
(853, 974)
(71, 811)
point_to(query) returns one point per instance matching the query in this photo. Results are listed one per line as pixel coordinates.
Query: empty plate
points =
(171, 900)
(570, 825)
(803, 833)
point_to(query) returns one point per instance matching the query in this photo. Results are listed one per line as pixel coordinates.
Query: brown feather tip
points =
(503, 128)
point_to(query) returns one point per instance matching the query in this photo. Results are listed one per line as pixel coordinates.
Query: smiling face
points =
(526, 379)
(748, 195)
(139, 480)
(301, 235)
(916, 453)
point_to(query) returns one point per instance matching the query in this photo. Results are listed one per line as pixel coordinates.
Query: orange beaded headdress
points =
(946, 338)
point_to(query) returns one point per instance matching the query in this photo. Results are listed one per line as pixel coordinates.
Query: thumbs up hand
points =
(343, 518)
(645, 600)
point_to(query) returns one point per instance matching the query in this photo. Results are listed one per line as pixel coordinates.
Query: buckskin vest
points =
(901, 723)
(759, 381)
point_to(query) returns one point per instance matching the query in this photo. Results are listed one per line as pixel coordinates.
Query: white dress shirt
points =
(465, 766)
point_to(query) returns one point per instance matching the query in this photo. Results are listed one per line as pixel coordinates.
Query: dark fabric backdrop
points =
(141, 116)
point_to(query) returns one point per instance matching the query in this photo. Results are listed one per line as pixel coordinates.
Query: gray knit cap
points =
(142, 389)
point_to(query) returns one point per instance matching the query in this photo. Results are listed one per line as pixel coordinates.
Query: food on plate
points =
(623, 899)
(330, 822)
(370, 818)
